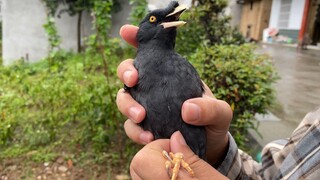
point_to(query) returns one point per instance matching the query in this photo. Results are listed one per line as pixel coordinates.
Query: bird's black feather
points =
(166, 80)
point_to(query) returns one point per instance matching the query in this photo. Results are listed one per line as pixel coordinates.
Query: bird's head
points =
(159, 26)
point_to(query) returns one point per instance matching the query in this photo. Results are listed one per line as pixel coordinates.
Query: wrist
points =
(218, 150)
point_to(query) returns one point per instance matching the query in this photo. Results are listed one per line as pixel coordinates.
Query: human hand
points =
(206, 111)
(149, 163)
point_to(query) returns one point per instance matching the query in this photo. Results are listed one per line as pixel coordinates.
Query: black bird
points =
(166, 79)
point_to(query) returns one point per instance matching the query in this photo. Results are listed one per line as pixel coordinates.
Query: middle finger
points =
(129, 107)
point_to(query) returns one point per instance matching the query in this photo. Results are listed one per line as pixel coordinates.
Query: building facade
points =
(286, 16)
(297, 19)
(294, 19)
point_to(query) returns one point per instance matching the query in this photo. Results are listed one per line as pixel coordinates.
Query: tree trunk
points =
(79, 49)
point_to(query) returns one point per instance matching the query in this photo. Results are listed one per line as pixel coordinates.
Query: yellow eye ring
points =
(152, 19)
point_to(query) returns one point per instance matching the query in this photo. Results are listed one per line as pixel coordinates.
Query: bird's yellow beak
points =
(174, 16)
(173, 24)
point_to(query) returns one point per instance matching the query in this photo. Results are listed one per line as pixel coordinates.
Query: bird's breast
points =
(166, 80)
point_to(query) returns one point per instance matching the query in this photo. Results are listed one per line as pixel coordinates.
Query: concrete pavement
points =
(297, 92)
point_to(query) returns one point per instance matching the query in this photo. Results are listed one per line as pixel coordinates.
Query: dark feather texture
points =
(166, 80)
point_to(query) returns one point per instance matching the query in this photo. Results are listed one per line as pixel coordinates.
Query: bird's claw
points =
(173, 163)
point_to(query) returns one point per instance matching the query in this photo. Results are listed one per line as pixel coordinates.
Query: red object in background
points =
(273, 32)
(304, 20)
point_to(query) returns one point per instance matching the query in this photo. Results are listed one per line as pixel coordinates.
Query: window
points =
(284, 15)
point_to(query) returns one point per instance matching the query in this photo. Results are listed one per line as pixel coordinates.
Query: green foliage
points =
(51, 6)
(139, 10)
(101, 23)
(67, 104)
(206, 24)
(74, 7)
(52, 33)
(51, 30)
(103, 46)
(242, 78)
(104, 8)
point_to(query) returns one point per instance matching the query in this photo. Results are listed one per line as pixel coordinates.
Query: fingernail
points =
(134, 113)
(181, 139)
(193, 111)
(127, 76)
(145, 137)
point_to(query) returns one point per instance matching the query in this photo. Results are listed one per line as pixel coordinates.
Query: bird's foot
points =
(173, 164)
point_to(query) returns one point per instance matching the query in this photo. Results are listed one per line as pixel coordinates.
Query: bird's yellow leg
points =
(176, 168)
(175, 161)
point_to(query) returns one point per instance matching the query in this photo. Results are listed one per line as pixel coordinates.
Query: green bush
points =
(242, 78)
(65, 104)
(206, 24)
(139, 10)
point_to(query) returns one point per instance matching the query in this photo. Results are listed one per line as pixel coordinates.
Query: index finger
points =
(129, 33)
(149, 163)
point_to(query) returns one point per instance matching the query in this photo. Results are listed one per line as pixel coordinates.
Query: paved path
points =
(298, 90)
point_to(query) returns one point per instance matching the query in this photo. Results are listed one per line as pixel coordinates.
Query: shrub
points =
(242, 78)
(206, 23)
(65, 104)
(139, 10)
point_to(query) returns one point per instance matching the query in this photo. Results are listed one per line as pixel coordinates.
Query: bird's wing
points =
(186, 78)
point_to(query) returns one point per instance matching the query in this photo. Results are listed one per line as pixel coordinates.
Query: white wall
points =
(235, 11)
(23, 34)
(67, 29)
(155, 4)
(0, 10)
(120, 18)
(296, 14)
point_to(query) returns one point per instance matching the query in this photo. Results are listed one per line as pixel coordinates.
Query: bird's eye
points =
(152, 19)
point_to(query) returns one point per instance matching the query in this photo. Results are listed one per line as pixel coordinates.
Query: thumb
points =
(202, 169)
